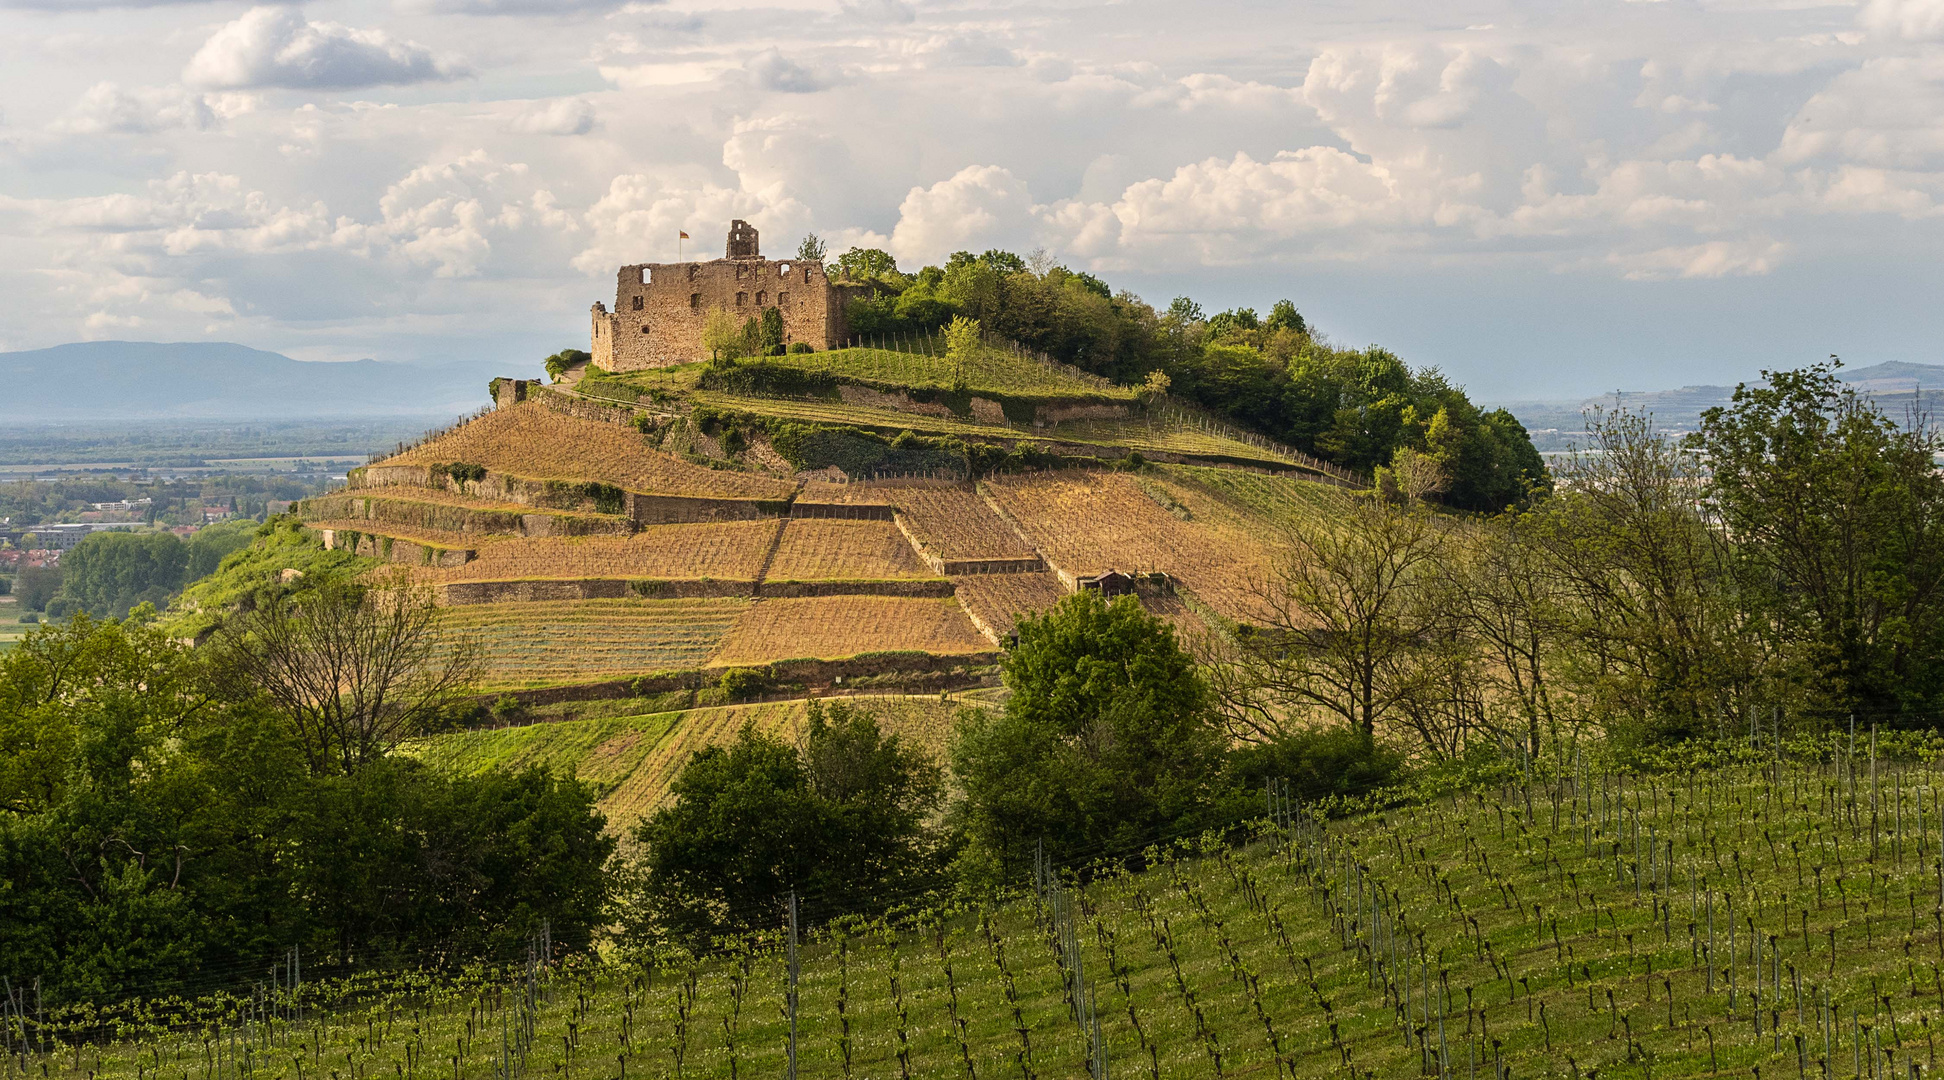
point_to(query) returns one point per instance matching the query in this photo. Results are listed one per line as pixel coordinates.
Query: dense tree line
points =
(1361, 408)
(109, 574)
(171, 817)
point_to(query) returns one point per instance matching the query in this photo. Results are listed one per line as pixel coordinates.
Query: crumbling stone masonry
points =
(659, 308)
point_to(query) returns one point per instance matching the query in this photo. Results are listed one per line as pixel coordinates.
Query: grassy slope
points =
(996, 371)
(992, 371)
(631, 760)
(280, 545)
(1262, 955)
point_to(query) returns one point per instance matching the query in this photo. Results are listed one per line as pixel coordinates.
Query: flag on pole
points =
(683, 235)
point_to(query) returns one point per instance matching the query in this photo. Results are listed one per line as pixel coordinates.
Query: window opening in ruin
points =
(637, 303)
(692, 269)
(782, 269)
(783, 300)
(644, 328)
(759, 298)
(806, 275)
(742, 299)
(695, 301)
(739, 273)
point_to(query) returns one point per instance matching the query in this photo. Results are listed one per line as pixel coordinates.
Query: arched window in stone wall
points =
(637, 303)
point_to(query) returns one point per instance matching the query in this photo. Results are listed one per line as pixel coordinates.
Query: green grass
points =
(280, 545)
(1104, 434)
(1519, 929)
(993, 371)
(567, 748)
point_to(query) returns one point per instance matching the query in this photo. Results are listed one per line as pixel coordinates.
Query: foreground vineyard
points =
(1771, 918)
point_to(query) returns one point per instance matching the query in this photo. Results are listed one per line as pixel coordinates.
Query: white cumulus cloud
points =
(109, 109)
(981, 206)
(278, 47)
(561, 116)
(1918, 20)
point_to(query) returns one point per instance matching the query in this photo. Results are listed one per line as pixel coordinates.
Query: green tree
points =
(156, 828)
(36, 585)
(812, 249)
(962, 338)
(109, 573)
(866, 264)
(840, 822)
(1284, 316)
(1105, 744)
(207, 548)
(722, 335)
(770, 333)
(1837, 514)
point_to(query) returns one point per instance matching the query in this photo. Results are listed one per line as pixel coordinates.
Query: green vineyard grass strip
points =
(1264, 936)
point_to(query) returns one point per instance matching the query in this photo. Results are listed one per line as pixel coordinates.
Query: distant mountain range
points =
(1895, 386)
(142, 380)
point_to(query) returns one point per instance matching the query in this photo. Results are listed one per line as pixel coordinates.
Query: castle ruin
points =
(659, 308)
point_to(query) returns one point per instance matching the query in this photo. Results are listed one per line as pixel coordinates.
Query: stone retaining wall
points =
(921, 588)
(392, 549)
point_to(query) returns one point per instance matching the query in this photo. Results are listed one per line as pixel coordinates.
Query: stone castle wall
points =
(659, 308)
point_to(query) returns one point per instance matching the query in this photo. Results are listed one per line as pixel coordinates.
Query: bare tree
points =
(1656, 629)
(354, 669)
(1505, 603)
(1350, 620)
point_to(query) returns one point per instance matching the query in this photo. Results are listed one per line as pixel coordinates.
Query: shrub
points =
(607, 498)
(802, 347)
(507, 709)
(741, 684)
(1320, 763)
(460, 472)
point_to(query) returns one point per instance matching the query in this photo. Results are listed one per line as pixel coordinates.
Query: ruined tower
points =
(742, 241)
(660, 308)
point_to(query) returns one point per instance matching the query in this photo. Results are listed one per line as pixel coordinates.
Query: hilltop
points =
(859, 517)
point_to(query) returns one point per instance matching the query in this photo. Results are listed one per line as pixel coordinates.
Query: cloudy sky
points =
(1545, 197)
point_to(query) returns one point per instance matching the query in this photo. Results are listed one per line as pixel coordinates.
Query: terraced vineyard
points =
(1778, 916)
(1088, 523)
(815, 550)
(998, 599)
(831, 627)
(732, 551)
(540, 644)
(532, 441)
(953, 522)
